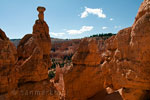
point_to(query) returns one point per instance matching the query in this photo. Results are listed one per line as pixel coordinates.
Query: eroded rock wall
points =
(84, 79)
(122, 62)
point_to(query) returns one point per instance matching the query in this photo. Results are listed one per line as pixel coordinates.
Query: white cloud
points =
(117, 26)
(82, 30)
(111, 19)
(57, 34)
(97, 11)
(104, 28)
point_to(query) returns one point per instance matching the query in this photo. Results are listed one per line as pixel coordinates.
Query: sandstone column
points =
(41, 34)
(41, 13)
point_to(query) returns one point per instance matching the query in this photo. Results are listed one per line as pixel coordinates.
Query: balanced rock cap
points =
(41, 9)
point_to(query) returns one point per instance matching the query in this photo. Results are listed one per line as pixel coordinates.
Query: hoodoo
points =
(26, 72)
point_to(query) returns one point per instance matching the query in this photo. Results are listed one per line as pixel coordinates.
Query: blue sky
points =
(68, 18)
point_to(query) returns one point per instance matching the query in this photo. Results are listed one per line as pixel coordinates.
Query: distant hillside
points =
(103, 35)
(15, 41)
(65, 48)
(54, 40)
(57, 40)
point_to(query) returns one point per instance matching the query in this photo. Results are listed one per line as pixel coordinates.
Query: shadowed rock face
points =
(25, 77)
(3, 36)
(8, 57)
(121, 61)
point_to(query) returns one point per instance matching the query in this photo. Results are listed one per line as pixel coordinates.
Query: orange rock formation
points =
(114, 69)
(8, 57)
(121, 62)
(24, 72)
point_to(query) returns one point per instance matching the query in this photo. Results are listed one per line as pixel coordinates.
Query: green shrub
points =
(62, 65)
(103, 35)
(53, 60)
(68, 57)
(53, 66)
(51, 74)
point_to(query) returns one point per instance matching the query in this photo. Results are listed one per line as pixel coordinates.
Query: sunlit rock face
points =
(34, 61)
(120, 62)
(84, 80)
(34, 53)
